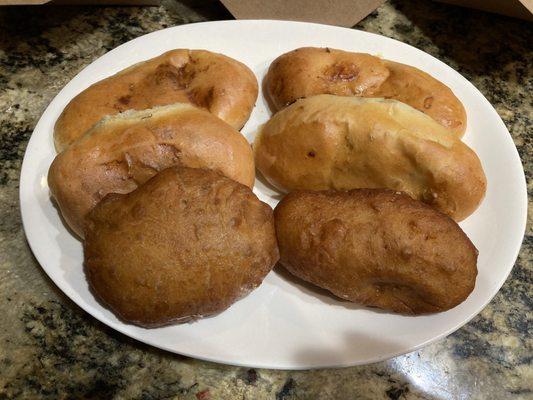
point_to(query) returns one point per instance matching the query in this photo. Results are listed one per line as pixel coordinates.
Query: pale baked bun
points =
(335, 142)
(378, 248)
(310, 70)
(212, 81)
(123, 151)
(186, 244)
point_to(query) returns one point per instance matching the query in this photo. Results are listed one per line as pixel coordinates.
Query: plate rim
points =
(25, 192)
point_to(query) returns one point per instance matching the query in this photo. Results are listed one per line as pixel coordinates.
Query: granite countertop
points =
(51, 349)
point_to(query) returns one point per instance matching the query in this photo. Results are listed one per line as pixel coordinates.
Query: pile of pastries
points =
(154, 176)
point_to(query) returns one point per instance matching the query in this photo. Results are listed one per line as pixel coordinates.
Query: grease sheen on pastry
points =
(376, 247)
(186, 244)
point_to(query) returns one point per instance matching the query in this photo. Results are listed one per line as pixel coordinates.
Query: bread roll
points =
(376, 247)
(219, 84)
(309, 71)
(123, 151)
(334, 142)
(186, 244)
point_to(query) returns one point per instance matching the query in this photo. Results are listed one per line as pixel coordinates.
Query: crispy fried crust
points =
(309, 71)
(186, 244)
(212, 81)
(336, 142)
(376, 247)
(123, 151)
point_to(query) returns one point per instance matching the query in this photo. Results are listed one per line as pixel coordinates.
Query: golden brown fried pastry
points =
(309, 71)
(334, 142)
(186, 244)
(219, 84)
(123, 151)
(376, 247)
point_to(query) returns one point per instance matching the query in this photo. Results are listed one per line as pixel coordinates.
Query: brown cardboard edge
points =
(80, 2)
(346, 14)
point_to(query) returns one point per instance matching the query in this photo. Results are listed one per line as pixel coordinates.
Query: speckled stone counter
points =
(51, 349)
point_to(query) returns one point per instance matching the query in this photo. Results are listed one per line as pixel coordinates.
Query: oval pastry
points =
(335, 142)
(123, 151)
(186, 244)
(212, 81)
(376, 247)
(310, 71)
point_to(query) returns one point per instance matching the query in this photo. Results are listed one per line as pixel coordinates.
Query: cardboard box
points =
(333, 12)
(79, 2)
(349, 12)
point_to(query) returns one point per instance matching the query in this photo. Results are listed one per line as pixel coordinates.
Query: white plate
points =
(283, 324)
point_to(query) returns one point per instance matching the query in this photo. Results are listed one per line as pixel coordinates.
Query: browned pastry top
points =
(186, 244)
(310, 71)
(123, 151)
(212, 81)
(338, 142)
(376, 247)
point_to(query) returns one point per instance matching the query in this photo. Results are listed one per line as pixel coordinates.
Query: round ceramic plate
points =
(284, 323)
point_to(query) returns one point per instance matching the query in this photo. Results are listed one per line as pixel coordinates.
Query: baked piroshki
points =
(212, 81)
(335, 142)
(125, 150)
(310, 71)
